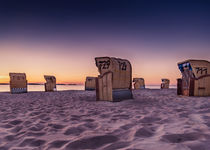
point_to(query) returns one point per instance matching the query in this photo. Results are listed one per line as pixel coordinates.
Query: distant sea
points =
(5, 88)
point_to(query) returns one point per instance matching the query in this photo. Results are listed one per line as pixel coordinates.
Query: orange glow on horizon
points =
(73, 66)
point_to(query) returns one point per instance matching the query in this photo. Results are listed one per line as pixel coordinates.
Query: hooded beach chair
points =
(50, 84)
(165, 84)
(115, 80)
(18, 83)
(139, 83)
(195, 79)
(90, 83)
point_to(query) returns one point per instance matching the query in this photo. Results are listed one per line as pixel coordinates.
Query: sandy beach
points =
(68, 120)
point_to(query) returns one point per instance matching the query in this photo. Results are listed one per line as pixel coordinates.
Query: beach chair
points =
(139, 83)
(115, 80)
(50, 84)
(18, 83)
(165, 84)
(195, 79)
(90, 83)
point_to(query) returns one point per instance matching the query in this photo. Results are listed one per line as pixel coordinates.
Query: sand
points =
(68, 120)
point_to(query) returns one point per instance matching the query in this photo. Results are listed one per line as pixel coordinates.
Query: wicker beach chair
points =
(165, 84)
(115, 80)
(195, 79)
(18, 83)
(139, 83)
(90, 83)
(50, 84)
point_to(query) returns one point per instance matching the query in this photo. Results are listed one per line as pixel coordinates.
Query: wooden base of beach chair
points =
(104, 90)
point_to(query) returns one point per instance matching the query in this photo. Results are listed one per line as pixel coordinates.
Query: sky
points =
(62, 38)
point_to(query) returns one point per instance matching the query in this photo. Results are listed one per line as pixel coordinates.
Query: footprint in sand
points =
(21, 133)
(90, 125)
(57, 144)
(46, 118)
(144, 132)
(179, 138)
(3, 148)
(117, 145)
(127, 126)
(56, 126)
(17, 129)
(92, 142)
(27, 123)
(122, 116)
(74, 131)
(207, 120)
(200, 146)
(208, 124)
(150, 119)
(179, 110)
(37, 127)
(34, 113)
(197, 147)
(9, 138)
(16, 122)
(37, 143)
(89, 120)
(7, 126)
(42, 116)
(35, 134)
(26, 142)
(184, 115)
(32, 142)
(75, 118)
(104, 116)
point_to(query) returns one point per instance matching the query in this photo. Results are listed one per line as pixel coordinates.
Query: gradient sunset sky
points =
(62, 38)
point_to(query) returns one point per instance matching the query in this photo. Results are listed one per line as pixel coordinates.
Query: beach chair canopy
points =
(138, 79)
(17, 76)
(50, 79)
(199, 68)
(90, 78)
(166, 81)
